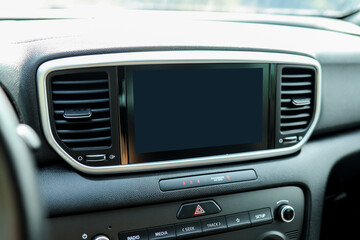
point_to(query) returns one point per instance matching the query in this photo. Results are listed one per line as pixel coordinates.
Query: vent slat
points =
(297, 92)
(297, 85)
(295, 108)
(286, 100)
(82, 122)
(302, 115)
(87, 101)
(296, 76)
(93, 110)
(294, 124)
(79, 82)
(100, 110)
(70, 92)
(91, 148)
(73, 94)
(85, 140)
(91, 130)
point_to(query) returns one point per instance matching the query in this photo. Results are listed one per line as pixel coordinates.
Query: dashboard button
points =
(214, 225)
(187, 230)
(196, 209)
(95, 158)
(291, 139)
(238, 221)
(163, 232)
(134, 235)
(207, 180)
(229, 177)
(261, 216)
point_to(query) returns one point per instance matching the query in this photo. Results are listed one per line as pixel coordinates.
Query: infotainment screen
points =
(190, 110)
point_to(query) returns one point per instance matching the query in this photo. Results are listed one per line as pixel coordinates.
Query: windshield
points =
(329, 8)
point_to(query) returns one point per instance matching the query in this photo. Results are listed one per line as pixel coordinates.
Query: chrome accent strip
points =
(170, 57)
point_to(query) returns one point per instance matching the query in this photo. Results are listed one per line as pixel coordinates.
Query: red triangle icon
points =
(199, 210)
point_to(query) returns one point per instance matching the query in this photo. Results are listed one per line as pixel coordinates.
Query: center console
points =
(152, 111)
(271, 214)
(142, 111)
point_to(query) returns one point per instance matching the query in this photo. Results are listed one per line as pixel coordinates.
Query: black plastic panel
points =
(190, 122)
(206, 180)
(66, 191)
(138, 219)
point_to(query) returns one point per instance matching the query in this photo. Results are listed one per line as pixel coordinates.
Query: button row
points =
(202, 227)
(207, 180)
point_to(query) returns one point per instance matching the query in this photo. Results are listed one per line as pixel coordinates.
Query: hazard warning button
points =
(189, 210)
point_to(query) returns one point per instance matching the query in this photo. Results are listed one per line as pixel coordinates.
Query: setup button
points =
(261, 216)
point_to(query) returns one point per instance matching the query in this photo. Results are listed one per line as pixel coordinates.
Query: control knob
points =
(101, 237)
(286, 213)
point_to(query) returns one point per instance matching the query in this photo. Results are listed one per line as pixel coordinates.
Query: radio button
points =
(134, 235)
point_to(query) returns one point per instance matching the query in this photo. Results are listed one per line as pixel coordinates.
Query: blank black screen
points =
(179, 109)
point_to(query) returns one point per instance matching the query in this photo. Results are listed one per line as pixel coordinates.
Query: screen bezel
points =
(196, 152)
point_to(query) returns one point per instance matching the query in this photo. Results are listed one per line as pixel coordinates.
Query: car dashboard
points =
(181, 125)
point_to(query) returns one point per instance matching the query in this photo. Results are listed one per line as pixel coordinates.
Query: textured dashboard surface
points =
(27, 44)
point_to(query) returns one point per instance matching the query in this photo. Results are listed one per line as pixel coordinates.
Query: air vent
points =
(293, 235)
(297, 98)
(81, 110)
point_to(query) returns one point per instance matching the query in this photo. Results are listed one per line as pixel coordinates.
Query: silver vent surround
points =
(171, 57)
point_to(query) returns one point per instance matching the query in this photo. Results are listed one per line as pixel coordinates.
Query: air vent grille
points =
(81, 110)
(297, 98)
(293, 235)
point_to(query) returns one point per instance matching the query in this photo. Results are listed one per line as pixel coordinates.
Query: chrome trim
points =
(170, 57)
(283, 209)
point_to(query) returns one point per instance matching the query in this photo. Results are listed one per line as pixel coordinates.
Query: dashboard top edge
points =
(170, 57)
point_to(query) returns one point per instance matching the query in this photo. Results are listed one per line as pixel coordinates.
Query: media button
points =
(214, 225)
(163, 232)
(238, 221)
(187, 230)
